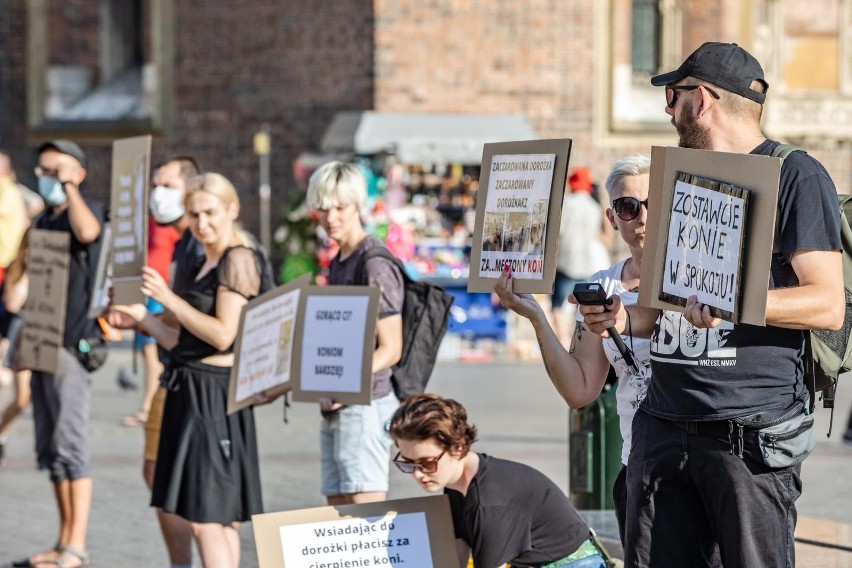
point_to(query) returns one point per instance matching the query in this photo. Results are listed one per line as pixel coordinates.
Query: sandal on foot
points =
(69, 557)
(31, 561)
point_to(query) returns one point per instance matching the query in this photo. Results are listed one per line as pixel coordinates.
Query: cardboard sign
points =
(706, 235)
(417, 533)
(264, 348)
(43, 332)
(520, 196)
(131, 172)
(335, 343)
(100, 287)
(761, 175)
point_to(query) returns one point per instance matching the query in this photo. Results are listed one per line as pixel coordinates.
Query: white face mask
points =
(166, 204)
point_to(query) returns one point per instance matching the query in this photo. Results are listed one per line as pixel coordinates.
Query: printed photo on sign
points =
(706, 240)
(515, 221)
(521, 189)
(390, 540)
(263, 349)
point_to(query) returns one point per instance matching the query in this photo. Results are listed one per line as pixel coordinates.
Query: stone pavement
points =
(517, 412)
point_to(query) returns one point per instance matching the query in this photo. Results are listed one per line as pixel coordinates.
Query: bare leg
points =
(80, 494)
(176, 531)
(153, 370)
(17, 406)
(213, 545)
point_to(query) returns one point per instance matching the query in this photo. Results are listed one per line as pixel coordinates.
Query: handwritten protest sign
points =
(131, 165)
(264, 346)
(43, 332)
(705, 244)
(335, 342)
(411, 532)
(523, 184)
(705, 209)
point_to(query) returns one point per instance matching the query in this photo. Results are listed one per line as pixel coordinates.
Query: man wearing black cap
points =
(702, 474)
(61, 401)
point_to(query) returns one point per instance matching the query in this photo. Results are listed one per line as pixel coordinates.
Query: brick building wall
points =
(293, 65)
(237, 65)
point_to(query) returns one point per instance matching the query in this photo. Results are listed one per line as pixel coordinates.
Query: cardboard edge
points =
(364, 396)
(561, 147)
(297, 284)
(270, 553)
(665, 161)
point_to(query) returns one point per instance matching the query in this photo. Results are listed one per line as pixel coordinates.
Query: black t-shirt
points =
(382, 273)
(514, 513)
(187, 258)
(239, 270)
(81, 273)
(736, 370)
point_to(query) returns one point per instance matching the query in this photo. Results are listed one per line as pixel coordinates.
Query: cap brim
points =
(667, 78)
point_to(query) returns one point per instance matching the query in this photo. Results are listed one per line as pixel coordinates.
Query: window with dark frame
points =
(645, 39)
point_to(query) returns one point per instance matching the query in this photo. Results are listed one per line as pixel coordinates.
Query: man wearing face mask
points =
(165, 226)
(61, 401)
(170, 248)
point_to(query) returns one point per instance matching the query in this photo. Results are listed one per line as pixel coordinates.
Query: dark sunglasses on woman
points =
(627, 208)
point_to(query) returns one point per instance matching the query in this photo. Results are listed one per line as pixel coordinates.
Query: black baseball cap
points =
(724, 64)
(64, 147)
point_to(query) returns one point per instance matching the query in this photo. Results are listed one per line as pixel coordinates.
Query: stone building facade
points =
(203, 78)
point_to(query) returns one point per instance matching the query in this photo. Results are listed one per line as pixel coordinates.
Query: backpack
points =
(425, 311)
(829, 353)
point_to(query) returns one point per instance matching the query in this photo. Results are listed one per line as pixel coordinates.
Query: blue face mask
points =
(51, 191)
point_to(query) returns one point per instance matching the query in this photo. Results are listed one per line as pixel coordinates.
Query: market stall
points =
(423, 177)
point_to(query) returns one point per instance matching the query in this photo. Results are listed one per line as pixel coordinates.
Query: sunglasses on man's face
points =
(627, 208)
(426, 465)
(672, 92)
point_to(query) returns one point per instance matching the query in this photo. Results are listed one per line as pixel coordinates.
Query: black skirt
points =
(207, 466)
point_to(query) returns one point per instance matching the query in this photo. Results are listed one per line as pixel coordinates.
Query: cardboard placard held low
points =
(518, 212)
(759, 174)
(417, 533)
(334, 344)
(263, 351)
(43, 332)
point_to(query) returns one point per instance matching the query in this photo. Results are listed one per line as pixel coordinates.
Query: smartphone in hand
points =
(591, 294)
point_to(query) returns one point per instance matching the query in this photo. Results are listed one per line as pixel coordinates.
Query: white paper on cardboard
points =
(391, 540)
(333, 343)
(515, 222)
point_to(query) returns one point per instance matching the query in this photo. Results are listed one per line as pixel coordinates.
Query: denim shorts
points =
(355, 447)
(154, 307)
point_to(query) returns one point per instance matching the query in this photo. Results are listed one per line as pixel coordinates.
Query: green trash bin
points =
(594, 457)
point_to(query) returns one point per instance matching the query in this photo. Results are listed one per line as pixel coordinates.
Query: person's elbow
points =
(833, 316)
(88, 234)
(578, 400)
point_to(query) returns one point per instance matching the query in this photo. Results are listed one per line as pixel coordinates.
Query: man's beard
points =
(690, 134)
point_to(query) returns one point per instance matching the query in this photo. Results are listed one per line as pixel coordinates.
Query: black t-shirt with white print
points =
(735, 370)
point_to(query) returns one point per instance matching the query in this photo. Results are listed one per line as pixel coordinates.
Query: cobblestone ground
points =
(518, 414)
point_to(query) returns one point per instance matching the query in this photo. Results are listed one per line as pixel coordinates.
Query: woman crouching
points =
(503, 512)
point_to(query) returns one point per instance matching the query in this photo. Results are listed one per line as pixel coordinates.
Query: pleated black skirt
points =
(207, 465)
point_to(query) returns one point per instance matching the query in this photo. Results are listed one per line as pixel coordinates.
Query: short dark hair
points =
(430, 417)
(189, 167)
